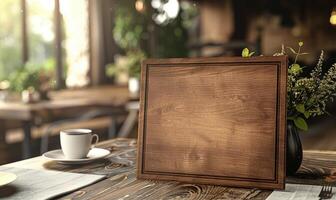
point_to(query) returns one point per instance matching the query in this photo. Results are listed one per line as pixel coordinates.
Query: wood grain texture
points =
(317, 168)
(214, 121)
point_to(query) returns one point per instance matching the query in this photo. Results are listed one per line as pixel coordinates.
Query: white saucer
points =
(6, 178)
(94, 154)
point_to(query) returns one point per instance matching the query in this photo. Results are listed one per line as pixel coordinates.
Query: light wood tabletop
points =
(121, 182)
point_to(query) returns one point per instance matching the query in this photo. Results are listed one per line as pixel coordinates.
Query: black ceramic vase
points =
(294, 149)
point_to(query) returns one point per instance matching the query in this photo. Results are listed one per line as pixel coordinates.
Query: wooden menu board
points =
(214, 121)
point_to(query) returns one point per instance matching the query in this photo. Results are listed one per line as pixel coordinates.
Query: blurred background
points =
(69, 64)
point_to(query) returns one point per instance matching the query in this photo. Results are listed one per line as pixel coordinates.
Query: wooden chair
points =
(112, 129)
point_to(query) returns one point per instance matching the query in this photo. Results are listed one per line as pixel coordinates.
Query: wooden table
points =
(121, 182)
(46, 111)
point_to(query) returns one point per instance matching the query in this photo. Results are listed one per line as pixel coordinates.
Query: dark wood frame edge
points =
(279, 183)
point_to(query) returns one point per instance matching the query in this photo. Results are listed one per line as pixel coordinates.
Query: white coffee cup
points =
(76, 143)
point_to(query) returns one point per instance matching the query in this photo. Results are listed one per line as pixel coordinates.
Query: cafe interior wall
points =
(310, 25)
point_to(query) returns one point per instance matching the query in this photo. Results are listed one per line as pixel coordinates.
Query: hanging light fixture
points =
(140, 5)
(333, 17)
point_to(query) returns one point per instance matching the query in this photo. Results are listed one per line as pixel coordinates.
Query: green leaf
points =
(300, 108)
(295, 69)
(245, 53)
(251, 54)
(301, 123)
(300, 43)
(306, 114)
(292, 50)
(290, 118)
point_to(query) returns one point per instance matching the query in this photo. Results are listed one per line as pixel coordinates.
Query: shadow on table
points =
(52, 165)
(7, 191)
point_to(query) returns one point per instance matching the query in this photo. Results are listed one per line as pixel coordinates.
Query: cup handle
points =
(96, 141)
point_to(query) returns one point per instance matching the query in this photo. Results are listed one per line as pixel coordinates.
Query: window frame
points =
(57, 41)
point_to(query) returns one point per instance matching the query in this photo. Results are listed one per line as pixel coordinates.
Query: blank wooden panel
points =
(214, 121)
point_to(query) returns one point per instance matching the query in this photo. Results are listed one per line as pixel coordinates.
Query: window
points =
(10, 37)
(75, 14)
(41, 33)
(30, 39)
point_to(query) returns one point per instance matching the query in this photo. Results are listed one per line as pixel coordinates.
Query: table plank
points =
(21, 111)
(66, 99)
(122, 183)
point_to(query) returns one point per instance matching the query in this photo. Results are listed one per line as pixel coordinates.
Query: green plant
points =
(128, 31)
(31, 76)
(308, 95)
(139, 35)
(246, 53)
(132, 65)
(23, 79)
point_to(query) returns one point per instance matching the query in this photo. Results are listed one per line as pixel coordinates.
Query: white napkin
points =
(45, 184)
(297, 192)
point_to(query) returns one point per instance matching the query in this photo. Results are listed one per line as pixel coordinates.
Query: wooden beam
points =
(25, 49)
(90, 39)
(58, 46)
(96, 42)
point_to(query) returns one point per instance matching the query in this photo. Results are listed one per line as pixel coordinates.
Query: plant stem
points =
(297, 55)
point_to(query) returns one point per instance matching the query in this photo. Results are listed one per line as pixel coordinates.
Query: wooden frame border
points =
(280, 165)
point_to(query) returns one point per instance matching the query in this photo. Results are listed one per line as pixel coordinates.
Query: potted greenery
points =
(134, 62)
(25, 81)
(128, 33)
(139, 34)
(307, 96)
(32, 83)
(128, 69)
